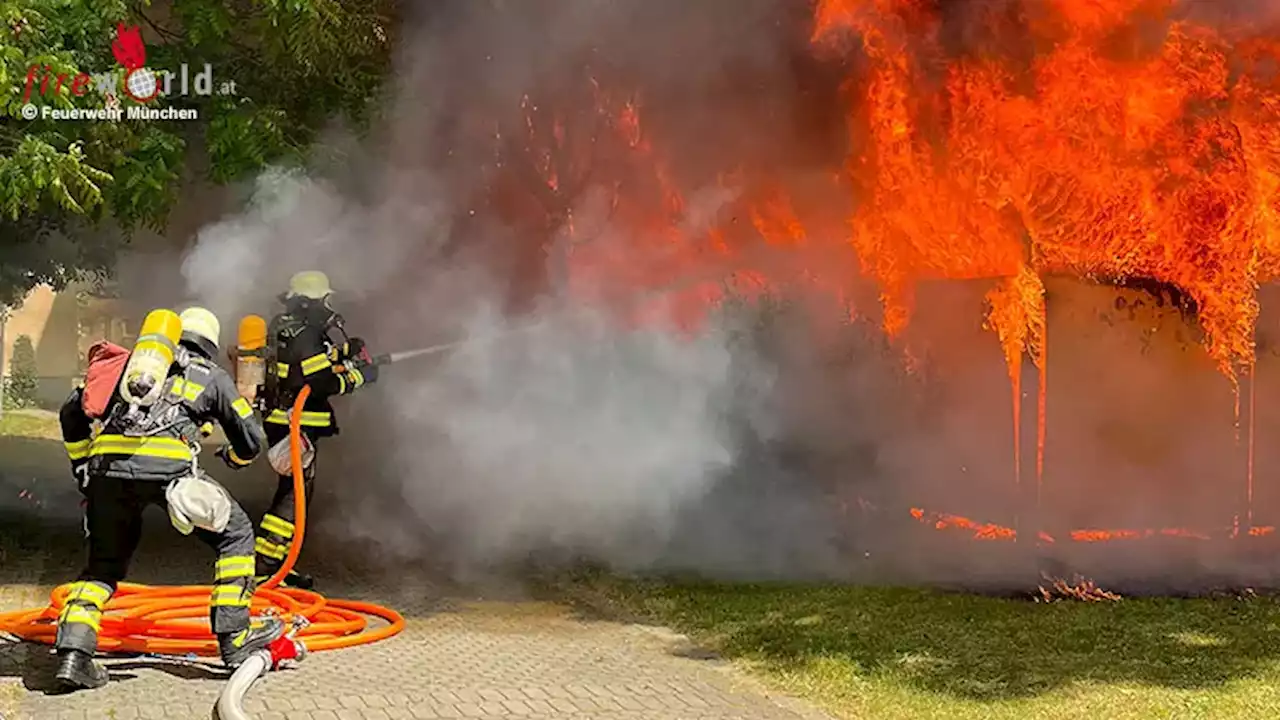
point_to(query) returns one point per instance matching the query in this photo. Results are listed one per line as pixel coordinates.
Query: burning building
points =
(1056, 217)
(1072, 205)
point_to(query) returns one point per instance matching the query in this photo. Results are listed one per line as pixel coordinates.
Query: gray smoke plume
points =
(780, 438)
(571, 431)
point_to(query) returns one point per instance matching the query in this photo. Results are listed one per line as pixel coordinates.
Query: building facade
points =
(62, 326)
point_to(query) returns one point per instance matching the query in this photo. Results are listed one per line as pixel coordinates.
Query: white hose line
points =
(231, 701)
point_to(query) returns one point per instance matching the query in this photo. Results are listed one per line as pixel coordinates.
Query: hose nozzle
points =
(298, 624)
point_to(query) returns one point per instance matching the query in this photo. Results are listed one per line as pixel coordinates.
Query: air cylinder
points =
(251, 347)
(152, 356)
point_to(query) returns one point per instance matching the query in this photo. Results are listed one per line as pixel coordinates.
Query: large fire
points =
(1101, 139)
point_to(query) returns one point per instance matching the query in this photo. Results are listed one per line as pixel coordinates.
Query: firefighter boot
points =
(77, 670)
(238, 646)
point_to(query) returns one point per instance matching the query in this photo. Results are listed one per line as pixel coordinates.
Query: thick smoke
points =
(570, 432)
(779, 439)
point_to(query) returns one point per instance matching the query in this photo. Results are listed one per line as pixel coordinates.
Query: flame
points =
(1161, 163)
(991, 531)
(1130, 143)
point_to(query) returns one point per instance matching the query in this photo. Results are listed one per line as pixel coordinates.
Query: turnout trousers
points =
(275, 532)
(113, 521)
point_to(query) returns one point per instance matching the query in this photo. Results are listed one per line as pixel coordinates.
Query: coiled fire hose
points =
(173, 620)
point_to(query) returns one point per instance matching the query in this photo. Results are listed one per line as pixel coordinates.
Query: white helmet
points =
(310, 284)
(201, 323)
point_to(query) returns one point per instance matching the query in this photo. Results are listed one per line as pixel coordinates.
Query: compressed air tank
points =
(152, 356)
(251, 346)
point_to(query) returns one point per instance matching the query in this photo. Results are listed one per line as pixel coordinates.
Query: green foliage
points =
(282, 71)
(23, 384)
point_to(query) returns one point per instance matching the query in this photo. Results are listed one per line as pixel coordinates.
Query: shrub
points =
(23, 387)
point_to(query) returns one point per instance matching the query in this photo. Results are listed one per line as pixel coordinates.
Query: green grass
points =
(31, 447)
(895, 653)
(40, 424)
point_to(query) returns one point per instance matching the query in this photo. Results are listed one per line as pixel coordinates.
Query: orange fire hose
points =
(174, 620)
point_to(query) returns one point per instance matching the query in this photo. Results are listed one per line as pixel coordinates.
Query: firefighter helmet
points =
(310, 284)
(202, 324)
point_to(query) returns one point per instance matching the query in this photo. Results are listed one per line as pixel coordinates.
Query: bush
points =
(23, 386)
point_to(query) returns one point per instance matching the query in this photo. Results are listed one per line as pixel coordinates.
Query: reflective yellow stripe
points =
(278, 525)
(315, 364)
(241, 406)
(78, 450)
(342, 385)
(229, 596)
(270, 549)
(89, 592)
(282, 369)
(81, 614)
(237, 566)
(157, 447)
(309, 418)
(356, 376)
(186, 390)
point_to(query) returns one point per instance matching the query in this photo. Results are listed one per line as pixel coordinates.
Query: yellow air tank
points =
(151, 358)
(251, 348)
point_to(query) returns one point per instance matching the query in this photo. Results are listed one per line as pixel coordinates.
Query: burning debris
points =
(992, 531)
(1080, 588)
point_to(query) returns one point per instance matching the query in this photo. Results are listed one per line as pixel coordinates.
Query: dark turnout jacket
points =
(160, 447)
(306, 355)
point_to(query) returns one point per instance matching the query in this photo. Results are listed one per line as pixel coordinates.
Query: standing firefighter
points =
(146, 451)
(307, 345)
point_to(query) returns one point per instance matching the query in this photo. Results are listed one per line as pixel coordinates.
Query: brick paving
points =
(459, 656)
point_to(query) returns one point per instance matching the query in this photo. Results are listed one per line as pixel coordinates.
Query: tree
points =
(282, 70)
(24, 375)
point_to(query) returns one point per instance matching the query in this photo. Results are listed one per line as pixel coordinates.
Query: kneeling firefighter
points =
(146, 452)
(306, 345)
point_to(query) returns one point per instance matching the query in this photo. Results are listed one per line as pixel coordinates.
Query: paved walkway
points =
(459, 657)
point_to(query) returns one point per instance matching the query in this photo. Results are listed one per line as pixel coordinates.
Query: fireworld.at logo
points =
(138, 82)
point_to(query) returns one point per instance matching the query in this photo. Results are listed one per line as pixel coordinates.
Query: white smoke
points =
(582, 434)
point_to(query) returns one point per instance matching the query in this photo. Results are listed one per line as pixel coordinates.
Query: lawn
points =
(899, 653)
(40, 424)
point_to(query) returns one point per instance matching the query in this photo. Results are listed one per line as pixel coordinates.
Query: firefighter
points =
(146, 453)
(307, 345)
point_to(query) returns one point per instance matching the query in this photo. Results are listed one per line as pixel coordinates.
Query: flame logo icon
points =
(128, 47)
(139, 82)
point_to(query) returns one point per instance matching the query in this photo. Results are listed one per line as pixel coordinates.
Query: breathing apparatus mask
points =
(318, 313)
(313, 311)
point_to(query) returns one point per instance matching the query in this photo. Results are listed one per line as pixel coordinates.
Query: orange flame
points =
(1158, 163)
(1108, 154)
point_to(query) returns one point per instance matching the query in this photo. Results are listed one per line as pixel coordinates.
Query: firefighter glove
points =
(363, 373)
